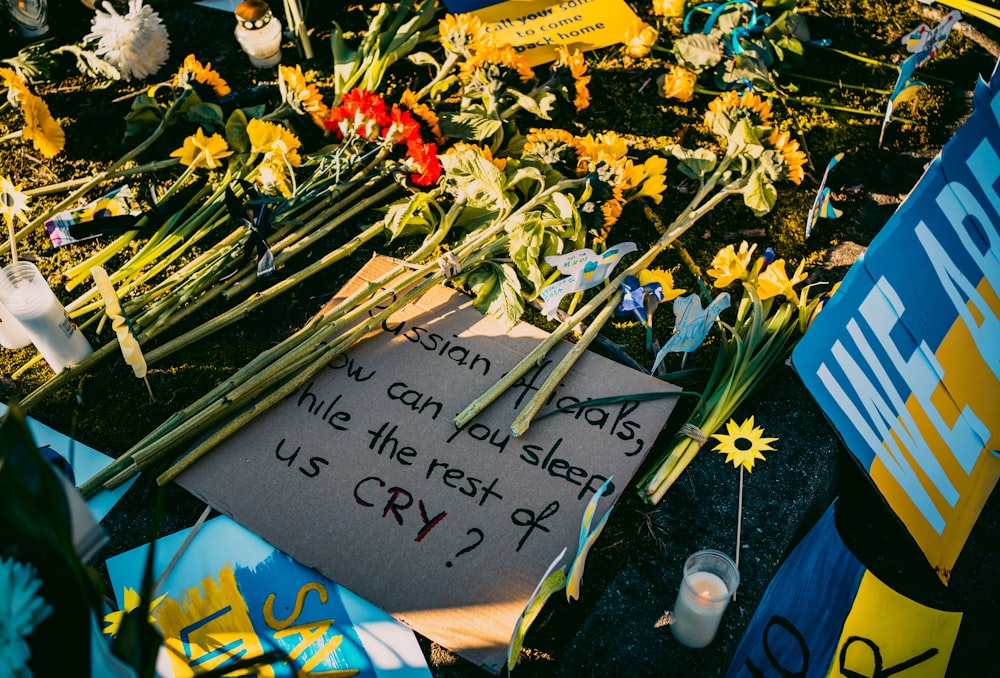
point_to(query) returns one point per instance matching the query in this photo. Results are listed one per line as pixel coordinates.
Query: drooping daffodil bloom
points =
(729, 266)
(202, 151)
(774, 281)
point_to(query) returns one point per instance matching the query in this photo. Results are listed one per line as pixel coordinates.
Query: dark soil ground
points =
(634, 571)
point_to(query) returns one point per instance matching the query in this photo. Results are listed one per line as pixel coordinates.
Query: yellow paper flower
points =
(461, 33)
(743, 444)
(271, 139)
(303, 96)
(794, 159)
(40, 127)
(13, 203)
(666, 280)
(773, 280)
(132, 600)
(728, 266)
(16, 87)
(669, 8)
(678, 83)
(201, 151)
(192, 70)
(640, 38)
(742, 104)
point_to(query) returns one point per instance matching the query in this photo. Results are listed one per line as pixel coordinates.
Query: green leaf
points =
(418, 214)
(760, 195)
(507, 304)
(525, 234)
(694, 163)
(236, 133)
(423, 59)
(475, 180)
(146, 113)
(206, 114)
(699, 51)
(471, 124)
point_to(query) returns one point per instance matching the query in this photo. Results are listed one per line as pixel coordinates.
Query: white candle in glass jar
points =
(27, 296)
(12, 334)
(259, 33)
(710, 579)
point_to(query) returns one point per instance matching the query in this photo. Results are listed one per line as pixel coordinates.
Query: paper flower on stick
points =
(588, 535)
(119, 323)
(584, 269)
(822, 207)
(132, 600)
(743, 444)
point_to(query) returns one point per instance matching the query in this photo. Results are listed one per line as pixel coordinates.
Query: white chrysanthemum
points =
(21, 610)
(136, 44)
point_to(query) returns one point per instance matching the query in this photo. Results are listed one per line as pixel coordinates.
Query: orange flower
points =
(40, 127)
(17, 90)
(793, 158)
(678, 83)
(424, 112)
(300, 94)
(578, 69)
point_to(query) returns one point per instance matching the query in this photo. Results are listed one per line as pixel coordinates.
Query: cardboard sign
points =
(233, 590)
(363, 476)
(905, 359)
(824, 614)
(536, 27)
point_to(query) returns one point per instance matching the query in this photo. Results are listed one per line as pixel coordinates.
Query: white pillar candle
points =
(259, 33)
(710, 580)
(27, 296)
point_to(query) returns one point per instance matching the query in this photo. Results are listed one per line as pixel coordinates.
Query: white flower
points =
(136, 44)
(21, 610)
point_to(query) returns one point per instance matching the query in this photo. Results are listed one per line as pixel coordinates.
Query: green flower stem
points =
(528, 412)
(70, 200)
(446, 66)
(687, 218)
(126, 172)
(837, 83)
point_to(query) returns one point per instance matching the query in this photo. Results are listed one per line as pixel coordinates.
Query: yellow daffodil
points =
(654, 180)
(742, 104)
(743, 444)
(793, 158)
(271, 139)
(303, 96)
(669, 8)
(272, 178)
(40, 127)
(461, 33)
(640, 38)
(192, 70)
(728, 266)
(132, 600)
(201, 151)
(678, 83)
(13, 203)
(16, 87)
(773, 280)
(666, 280)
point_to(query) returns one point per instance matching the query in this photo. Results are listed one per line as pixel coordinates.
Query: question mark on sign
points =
(471, 546)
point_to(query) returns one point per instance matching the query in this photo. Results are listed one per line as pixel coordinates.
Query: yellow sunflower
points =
(13, 203)
(552, 145)
(132, 600)
(640, 38)
(489, 52)
(678, 83)
(201, 151)
(193, 70)
(738, 104)
(461, 33)
(578, 70)
(794, 159)
(40, 127)
(728, 266)
(743, 444)
(424, 112)
(773, 280)
(302, 95)
(666, 280)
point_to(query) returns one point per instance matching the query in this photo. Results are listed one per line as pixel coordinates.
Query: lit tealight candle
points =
(259, 33)
(710, 579)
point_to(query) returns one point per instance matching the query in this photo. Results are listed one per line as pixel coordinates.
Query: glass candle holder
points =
(30, 16)
(12, 334)
(710, 580)
(27, 296)
(259, 33)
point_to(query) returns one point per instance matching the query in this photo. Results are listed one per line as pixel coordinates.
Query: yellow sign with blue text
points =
(905, 359)
(536, 27)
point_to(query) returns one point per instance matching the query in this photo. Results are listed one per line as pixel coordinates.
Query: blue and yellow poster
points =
(905, 359)
(825, 615)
